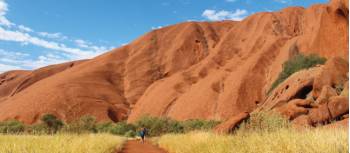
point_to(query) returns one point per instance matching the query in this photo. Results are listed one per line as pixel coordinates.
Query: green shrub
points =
(158, 126)
(121, 128)
(105, 127)
(86, 124)
(295, 64)
(265, 122)
(40, 128)
(52, 122)
(130, 133)
(11, 126)
(197, 124)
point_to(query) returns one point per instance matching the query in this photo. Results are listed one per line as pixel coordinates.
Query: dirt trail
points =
(134, 146)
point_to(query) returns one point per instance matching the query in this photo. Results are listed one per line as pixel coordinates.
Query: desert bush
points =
(121, 128)
(130, 133)
(104, 127)
(158, 126)
(295, 64)
(52, 122)
(86, 124)
(197, 124)
(11, 126)
(264, 121)
(39, 128)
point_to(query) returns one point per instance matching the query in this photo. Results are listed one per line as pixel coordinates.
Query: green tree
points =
(52, 122)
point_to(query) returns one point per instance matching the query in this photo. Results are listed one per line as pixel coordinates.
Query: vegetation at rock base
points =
(262, 132)
(11, 126)
(156, 126)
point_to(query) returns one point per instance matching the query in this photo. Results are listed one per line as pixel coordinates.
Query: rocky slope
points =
(315, 96)
(209, 70)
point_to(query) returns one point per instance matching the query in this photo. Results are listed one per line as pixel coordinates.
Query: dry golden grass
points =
(281, 141)
(61, 143)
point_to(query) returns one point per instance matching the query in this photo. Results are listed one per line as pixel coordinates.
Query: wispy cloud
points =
(5, 67)
(56, 35)
(21, 60)
(3, 10)
(24, 28)
(55, 44)
(213, 15)
(157, 27)
(17, 36)
(231, 0)
(283, 1)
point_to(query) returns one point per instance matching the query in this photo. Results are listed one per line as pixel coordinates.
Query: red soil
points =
(135, 146)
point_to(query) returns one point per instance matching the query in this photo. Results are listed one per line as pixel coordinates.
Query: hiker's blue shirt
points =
(142, 133)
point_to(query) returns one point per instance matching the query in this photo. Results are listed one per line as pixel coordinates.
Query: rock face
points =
(334, 73)
(208, 70)
(294, 108)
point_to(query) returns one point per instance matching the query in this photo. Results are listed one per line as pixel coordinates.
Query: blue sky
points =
(36, 33)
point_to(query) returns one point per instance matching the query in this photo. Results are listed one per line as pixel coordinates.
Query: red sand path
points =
(134, 146)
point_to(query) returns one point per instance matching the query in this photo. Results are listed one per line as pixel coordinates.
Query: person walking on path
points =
(143, 133)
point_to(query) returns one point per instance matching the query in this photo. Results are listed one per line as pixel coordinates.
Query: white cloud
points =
(158, 27)
(81, 43)
(213, 15)
(4, 68)
(3, 9)
(56, 35)
(282, 1)
(24, 28)
(12, 55)
(20, 60)
(5, 22)
(88, 45)
(17, 36)
(55, 45)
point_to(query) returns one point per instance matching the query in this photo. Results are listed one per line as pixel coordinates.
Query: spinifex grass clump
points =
(197, 124)
(86, 124)
(264, 122)
(295, 64)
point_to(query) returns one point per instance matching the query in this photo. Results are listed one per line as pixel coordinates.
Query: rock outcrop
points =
(231, 124)
(207, 70)
(324, 100)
